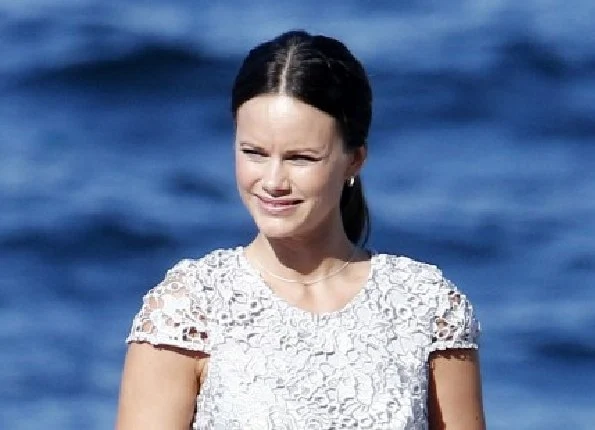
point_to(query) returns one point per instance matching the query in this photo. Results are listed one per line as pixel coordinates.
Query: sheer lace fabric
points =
(275, 366)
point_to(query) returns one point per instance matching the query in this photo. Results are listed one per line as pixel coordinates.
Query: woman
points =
(302, 328)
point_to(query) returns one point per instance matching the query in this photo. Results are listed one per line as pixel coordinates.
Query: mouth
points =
(277, 206)
(279, 202)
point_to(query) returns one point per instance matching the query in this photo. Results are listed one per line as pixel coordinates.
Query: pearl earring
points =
(351, 181)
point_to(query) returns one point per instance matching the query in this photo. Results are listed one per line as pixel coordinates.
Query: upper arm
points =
(169, 344)
(159, 388)
(454, 397)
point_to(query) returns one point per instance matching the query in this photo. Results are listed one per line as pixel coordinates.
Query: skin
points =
(455, 395)
(287, 151)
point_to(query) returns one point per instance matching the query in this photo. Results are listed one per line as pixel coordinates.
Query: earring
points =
(351, 181)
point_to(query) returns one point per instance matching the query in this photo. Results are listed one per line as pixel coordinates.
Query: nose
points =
(275, 181)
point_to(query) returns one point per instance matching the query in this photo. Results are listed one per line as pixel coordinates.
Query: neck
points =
(297, 258)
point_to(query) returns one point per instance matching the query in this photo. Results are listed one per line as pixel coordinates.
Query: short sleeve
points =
(454, 324)
(173, 312)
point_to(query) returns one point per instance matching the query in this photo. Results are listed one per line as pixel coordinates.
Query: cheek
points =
(322, 183)
(244, 173)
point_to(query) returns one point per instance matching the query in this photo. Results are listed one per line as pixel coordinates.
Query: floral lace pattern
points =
(276, 366)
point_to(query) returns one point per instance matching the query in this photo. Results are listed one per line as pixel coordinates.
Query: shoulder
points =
(221, 258)
(193, 279)
(202, 269)
(424, 280)
(408, 271)
(434, 298)
(215, 258)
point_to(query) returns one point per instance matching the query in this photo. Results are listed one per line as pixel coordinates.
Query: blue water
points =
(115, 161)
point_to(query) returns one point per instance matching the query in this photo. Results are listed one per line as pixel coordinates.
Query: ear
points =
(358, 157)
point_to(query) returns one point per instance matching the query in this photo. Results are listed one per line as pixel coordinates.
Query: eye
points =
(252, 153)
(302, 159)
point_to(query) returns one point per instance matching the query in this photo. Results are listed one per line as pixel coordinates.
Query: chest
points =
(365, 364)
(285, 351)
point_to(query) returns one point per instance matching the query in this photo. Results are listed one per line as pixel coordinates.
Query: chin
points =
(285, 226)
(278, 230)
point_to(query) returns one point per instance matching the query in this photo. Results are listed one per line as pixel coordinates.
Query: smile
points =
(278, 206)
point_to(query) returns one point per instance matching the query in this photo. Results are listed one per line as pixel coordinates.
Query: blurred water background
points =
(116, 161)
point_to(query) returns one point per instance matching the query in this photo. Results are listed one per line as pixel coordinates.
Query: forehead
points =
(283, 119)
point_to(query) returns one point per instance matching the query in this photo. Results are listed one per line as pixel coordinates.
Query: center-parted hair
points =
(321, 72)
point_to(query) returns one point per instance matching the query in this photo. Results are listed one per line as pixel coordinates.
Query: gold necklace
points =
(314, 281)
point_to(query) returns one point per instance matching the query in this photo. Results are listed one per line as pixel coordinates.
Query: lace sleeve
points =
(172, 313)
(454, 324)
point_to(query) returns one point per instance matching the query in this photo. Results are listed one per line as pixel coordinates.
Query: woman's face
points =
(291, 166)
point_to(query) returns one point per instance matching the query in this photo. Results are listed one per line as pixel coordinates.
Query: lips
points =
(278, 206)
(279, 202)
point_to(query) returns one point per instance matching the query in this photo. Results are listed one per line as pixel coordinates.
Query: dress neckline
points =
(353, 302)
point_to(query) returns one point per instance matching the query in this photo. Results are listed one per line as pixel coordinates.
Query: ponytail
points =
(354, 213)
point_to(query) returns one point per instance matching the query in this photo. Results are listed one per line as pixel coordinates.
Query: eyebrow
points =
(320, 152)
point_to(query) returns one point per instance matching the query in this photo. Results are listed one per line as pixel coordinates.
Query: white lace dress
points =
(275, 366)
